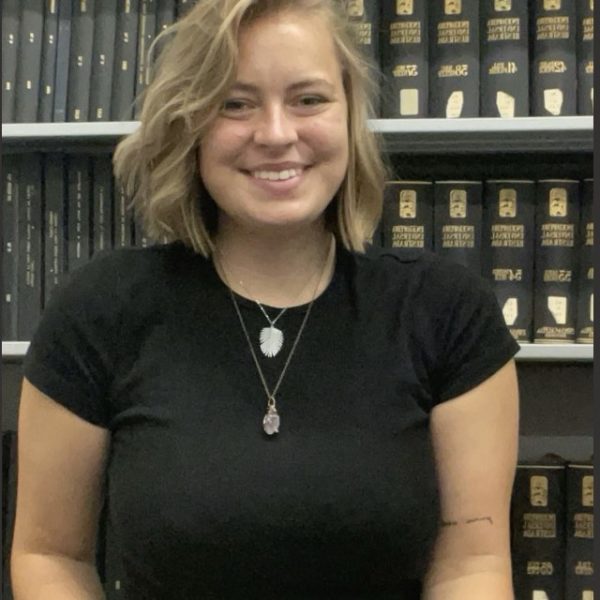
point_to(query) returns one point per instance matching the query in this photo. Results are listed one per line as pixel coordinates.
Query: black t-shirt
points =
(343, 502)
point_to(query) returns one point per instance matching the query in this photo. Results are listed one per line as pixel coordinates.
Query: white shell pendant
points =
(271, 340)
(271, 421)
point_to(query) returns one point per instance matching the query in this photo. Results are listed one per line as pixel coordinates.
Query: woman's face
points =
(278, 151)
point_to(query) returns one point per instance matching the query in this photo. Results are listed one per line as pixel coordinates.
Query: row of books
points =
(552, 528)
(78, 60)
(88, 60)
(532, 240)
(471, 58)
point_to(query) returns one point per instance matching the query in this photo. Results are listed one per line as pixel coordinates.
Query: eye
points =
(311, 100)
(234, 105)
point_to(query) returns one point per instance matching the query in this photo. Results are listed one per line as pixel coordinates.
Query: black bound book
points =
(554, 68)
(183, 6)
(585, 57)
(140, 239)
(30, 246)
(538, 531)
(404, 53)
(29, 61)
(457, 222)
(508, 250)
(55, 224)
(10, 49)
(146, 35)
(78, 211)
(504, 58)
(103, 59)
(165, 14)
(122, 218)
(579, 580)
(10, 245)
(556, 248)
(407, 220)
(364, 15)
(454, 58)
(80, 67)
(102, 189)
(63, 50)
(123, 91)
(48, 68)
(584, 332)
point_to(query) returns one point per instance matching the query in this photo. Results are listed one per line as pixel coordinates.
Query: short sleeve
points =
(73, 350)
(473, 339)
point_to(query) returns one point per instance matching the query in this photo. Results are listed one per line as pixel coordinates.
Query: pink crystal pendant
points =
(271, 421)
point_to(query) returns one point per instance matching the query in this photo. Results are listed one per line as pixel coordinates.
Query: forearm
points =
(480, 577)
(53, 577)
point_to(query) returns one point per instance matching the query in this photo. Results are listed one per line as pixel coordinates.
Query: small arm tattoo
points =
(466, 522)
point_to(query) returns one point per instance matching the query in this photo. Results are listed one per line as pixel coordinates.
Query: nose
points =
(275, 127)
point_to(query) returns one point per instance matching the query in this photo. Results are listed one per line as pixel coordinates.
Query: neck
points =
(277, 270)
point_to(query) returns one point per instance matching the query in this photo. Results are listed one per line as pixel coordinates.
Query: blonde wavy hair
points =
(157, 164)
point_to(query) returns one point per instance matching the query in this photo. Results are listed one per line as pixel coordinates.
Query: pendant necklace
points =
(271, 420)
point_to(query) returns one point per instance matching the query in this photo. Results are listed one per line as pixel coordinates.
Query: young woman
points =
(270, 411)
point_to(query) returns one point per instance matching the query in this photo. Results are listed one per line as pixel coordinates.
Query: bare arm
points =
(61, 463)
(475, 438)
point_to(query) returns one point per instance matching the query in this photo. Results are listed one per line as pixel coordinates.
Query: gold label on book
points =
(587, 491)
(53, 6)
(408, 236)
(558, 307)
(510, 311)
(507, 67)
(507, 203)
(405, 7)
(32, 37)
(503, 29)
(589, 70)
(458, 204)
(508, 236)
(502, 5)
(458, 236)
(452, 7)
(590, 273)
(408, 32)
(11, 38)
(505, 103)
(552, 28)
(584, 567)
(407, 204)
(558, 234)
(583, 524)
(558, 202)
(507, 274)
(453, 32)
(588, 29)
(558, 276)
(453, 71)
(552, 4)
(536, 567)
(409, 101)
(538, 490)
(355, 8)
(553, 101)
(539, 525)
(406, 71)
(127, 6)
(589, 234)
(83, 6)
(363, 33)
(552, 66)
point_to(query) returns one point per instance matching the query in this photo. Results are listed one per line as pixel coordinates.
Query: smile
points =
(277, 175)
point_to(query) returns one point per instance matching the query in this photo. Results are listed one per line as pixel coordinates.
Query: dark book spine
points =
(29, 61)
(404, 51)
(102, 187)
(585, 293)
(553, 78)
(557, 219)
(140, 239)
(103, 59)
(579, 571)
(55, 255)
(504, 59)
(80, 67)
(508, 247)
(78, 211)
(63, 49)
(146, 35)
(364, 16)
(165, 16)
(585, 57)
(123, 91)
(30, 246)
(122, 219)
(538, 531)
(183, 6)
(48, 68)
(457, 222)
(407, 220)
(10, 230)
(10, 49)
(454, 58)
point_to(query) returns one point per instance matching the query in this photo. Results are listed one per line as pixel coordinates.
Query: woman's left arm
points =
(475, 440)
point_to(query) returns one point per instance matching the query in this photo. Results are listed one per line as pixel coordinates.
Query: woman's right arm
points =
(61, 464)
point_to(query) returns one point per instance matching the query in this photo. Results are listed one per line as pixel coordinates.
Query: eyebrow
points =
(242, 86)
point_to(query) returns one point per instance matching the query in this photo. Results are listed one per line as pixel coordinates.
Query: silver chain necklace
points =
(272, 421)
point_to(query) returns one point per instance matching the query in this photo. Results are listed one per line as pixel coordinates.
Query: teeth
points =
(276, 175)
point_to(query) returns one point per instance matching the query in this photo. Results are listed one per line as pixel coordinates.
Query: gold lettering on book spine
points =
(508, 28)
(407, 32)
(453, 32)
(552, 28)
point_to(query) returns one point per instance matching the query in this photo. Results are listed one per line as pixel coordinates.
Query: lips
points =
(292, 178)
